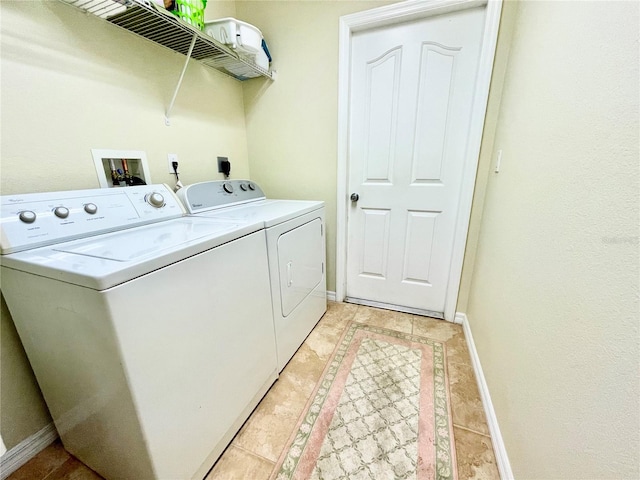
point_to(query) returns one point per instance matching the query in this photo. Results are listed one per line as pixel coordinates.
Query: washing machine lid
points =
(269, 212)
(103, 261)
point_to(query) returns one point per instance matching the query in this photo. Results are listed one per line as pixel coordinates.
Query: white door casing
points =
(411, 110)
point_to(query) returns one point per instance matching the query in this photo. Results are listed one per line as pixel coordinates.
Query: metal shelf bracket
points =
(167, 121)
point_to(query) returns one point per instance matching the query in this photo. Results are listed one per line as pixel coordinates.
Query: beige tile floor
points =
(254, 451)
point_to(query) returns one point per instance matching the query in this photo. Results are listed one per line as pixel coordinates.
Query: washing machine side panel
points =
(198, 347)
(295, 320)
(68, 335)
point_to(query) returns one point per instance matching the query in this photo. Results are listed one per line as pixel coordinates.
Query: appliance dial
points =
(155, 199)
(90, 208)
(61, 212)
(228, 187)
(243, 187)
(252, 187)
(27, 216)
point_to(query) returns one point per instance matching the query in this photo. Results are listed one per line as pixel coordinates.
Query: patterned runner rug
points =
(380, 411)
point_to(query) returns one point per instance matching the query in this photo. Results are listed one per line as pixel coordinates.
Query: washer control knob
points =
(61, 212)
(90, 208)
(155, 199)
(27, 216)
(243, 187)
(228, 187)
(252, 187)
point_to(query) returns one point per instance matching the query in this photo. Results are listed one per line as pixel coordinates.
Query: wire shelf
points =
(162, 27)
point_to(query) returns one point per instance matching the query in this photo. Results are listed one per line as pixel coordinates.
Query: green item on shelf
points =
(191, 11)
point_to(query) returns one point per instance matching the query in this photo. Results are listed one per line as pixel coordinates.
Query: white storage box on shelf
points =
(239, 35)
(262, 60)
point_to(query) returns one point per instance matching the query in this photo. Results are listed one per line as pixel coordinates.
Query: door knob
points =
(355, 197)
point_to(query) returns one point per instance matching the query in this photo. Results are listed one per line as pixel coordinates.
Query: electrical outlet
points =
(172, 157)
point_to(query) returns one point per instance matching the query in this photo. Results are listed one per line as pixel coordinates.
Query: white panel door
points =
(410, 105)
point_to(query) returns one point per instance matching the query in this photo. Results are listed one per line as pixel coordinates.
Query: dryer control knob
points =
(61, 212)
(90, 208)
(243, 187)
(252, 187)
(228, 187)
(155, 199)
(27, 216)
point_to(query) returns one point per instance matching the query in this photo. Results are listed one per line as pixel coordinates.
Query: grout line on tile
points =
(468, 364)
(59, 467)
(471, 430)
(350, 316)
(239, 447)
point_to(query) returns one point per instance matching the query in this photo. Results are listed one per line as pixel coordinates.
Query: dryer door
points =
(300, 262)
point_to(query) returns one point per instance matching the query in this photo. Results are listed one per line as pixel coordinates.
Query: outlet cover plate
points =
(172, 157)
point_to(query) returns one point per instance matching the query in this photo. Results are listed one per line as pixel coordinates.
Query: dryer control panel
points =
(37, 219)
(204, 196)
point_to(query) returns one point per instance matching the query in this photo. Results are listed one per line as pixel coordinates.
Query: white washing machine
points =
(150, 333)
(295, 237)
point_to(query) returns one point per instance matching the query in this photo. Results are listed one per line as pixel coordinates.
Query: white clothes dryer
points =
(295, 238)
(150, 333)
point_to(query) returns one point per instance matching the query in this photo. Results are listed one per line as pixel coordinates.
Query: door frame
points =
(399, 13)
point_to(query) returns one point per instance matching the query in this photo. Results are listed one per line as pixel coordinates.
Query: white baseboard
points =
(494, 429)
(331, 296)
(27, 449)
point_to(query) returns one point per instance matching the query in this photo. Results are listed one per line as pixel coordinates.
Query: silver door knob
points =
(355, 197)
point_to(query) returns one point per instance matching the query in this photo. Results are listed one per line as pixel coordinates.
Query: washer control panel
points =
(36, 219)
(204, 196)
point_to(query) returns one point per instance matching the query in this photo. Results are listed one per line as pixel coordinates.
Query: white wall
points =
(554, 297)
(72, 82)
(486, 158)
